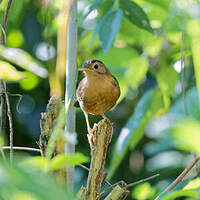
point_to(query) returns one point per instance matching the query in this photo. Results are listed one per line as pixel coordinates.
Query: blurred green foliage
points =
(156, 124)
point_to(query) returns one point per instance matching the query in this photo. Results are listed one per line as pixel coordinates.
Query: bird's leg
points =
(90, 131)
(103, 115)
(87, 121)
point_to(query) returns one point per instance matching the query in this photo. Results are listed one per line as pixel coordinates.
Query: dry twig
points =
(22, 148)
(179, 178)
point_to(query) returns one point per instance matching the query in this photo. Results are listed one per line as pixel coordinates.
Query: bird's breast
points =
(97, 96)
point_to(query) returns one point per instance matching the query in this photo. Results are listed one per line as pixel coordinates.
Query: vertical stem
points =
(2, 108)
(5, 98)
(70, 83)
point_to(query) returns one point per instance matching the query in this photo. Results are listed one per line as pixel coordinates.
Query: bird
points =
(97, 92)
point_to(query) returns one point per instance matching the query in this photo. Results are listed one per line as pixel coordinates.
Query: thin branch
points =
(127, 186)
(5, 17)
(3, 32)
(109, 188)
(179, 178)
(22, 148)
(142, 180)
(9, 114)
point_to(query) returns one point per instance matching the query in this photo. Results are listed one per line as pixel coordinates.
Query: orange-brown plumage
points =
(98, 91)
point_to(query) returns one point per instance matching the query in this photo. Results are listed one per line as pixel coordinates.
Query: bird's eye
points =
(96, 66)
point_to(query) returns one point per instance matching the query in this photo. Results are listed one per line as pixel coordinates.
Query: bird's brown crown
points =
(94, 66)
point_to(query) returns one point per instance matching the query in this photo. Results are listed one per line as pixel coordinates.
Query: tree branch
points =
(102, 136)
(179, 178)
(22, 148)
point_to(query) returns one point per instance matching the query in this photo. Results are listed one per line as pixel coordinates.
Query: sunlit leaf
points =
(37, 162)
(167, 78)
(143, 191)
(63, 160)
(135, 14)
(23, 196)
(187, 137)
(181, 193)
(108, 27)
(23, 60)
(9, 73)
(163, 3)
(139, 67)
(193, 184)
(15, 38)
(30, 82)
(194, 32)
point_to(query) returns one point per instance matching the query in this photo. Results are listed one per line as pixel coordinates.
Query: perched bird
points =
(97, 92)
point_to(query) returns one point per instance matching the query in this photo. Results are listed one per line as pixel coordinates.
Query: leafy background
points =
(140, 41)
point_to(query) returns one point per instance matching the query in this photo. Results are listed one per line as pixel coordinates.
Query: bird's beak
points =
(83, 69)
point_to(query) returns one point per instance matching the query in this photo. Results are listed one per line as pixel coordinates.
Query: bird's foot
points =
(91, 136)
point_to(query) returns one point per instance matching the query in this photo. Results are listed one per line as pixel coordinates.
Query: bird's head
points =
(92, 67)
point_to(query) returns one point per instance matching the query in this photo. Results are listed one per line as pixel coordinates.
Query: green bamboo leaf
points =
(9, 73)
(63, 160)
(193, 184)
(150, 105)
(23, 59)
(135, 14)
(181, 193)
(108, 27)
(127, 131)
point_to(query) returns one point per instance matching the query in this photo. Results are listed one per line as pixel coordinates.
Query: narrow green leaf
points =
(63, 160)
(9, 73)
(135, 14)
(127, 131)
(181, 193)
(108, 27)
(150, 105)
(193, 184)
